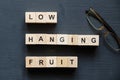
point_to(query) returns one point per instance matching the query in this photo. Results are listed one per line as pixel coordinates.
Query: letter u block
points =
(51, 61)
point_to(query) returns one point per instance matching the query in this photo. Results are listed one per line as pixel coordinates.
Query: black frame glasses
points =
(105, 28)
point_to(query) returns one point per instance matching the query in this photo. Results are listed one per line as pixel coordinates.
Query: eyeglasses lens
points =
(94, 23)
(111, 41)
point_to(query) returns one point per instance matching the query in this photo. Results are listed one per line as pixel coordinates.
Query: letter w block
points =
(51, 17)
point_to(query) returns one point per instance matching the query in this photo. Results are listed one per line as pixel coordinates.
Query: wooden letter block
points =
(41, 38)
(31, 39)
(41, 62)
(94, 40)
(51, 61)
(29, 17)
(73, 62)
(40, 17)
(30, 62)
(88, 40)
(51, 17)
(62, 39)
(72, 39)
(51, 39)
(62, 62)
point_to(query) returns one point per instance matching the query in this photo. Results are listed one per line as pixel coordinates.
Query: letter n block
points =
(51, 39)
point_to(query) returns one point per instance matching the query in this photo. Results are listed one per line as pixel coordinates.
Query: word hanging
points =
(62, 39)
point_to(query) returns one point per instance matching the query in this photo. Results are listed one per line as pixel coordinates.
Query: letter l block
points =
(29, 17)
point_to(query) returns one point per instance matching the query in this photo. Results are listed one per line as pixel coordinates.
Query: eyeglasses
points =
(100, 25)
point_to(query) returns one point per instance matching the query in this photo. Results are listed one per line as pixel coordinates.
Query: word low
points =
(41, 17)
(52, 62)
(62, 39)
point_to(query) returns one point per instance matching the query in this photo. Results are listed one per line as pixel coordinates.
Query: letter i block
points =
(62, 62)
(29, 17)
(72, 39)
(51, 17)
(30, 39)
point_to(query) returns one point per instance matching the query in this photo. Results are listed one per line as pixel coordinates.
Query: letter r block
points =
(41, 62)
